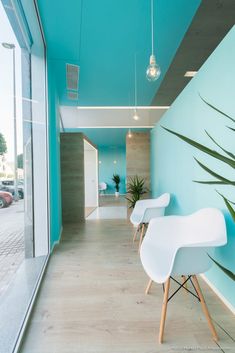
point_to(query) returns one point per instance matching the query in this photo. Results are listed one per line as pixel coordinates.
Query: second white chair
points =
(145, 210)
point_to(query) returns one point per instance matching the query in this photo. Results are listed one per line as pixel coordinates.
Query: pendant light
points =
(153, 70)
(129, 134)
(135, 116)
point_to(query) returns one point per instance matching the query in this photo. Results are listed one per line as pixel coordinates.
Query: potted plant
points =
(135, 189)
(116, 179)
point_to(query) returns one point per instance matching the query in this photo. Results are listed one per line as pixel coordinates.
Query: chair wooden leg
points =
(141, 236)
(205, 309)
(164, 309)
(135, 234)
(149, 286)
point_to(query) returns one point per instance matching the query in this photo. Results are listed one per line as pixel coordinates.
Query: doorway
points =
(90, 177)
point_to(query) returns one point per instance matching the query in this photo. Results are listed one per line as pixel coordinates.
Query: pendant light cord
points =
(152, 24)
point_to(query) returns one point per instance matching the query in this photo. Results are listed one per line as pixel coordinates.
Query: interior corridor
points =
(92, 301)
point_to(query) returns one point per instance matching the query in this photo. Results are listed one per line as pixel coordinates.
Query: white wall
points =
(90, 175)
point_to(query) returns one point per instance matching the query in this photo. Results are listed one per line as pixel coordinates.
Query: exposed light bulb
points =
(115, 162)
(153, 70)
(129, 134)
(135, 116)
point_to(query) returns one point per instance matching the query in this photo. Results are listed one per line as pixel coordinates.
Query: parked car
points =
(5, 199)
(8, 186)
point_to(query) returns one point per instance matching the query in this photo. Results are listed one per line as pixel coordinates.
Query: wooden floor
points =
(110, 200)
(92, 301)
(88, 211)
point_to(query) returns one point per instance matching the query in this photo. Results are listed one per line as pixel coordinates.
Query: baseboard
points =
(219, 295)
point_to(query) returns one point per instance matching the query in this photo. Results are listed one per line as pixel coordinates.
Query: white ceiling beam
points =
(109, 117)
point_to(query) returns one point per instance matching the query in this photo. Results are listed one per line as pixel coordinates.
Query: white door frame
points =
(88, 145)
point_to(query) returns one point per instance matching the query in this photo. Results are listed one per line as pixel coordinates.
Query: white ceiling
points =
(100, 117)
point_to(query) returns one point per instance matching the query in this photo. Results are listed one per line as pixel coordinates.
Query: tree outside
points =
(3, 145)
(20, 161)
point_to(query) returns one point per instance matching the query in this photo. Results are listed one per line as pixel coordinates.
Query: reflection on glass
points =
(13, 66)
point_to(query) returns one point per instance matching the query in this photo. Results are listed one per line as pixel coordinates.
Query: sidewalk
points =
(11, 242)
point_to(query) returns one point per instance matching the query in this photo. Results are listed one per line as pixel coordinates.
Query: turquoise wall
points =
(172, 163)
(107, 167)
(54, 155)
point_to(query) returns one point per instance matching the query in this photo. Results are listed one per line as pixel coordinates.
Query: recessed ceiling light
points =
(190, 73)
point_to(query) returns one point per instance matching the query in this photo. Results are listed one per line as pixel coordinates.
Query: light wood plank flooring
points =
(88, 211)
(111, 200)
(92, 301)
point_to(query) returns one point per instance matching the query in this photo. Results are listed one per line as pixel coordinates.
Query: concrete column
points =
(72, 177)
(138, 156)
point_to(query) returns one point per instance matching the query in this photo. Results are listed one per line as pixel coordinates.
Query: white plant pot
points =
(116, 193)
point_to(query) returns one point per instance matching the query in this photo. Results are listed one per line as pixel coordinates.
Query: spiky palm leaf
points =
(135, 189)
(220, 179)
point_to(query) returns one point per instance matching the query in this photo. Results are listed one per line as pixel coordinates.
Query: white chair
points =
(145, 210)
(102, 187)
(179, 245)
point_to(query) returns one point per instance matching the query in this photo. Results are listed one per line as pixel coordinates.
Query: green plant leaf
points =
(203, 148)
(228, 205)
(135, 189)
(209, 182)
(217, 176)
(231, 128)
(219, 111)
(227, 152)
(232, 202)
(224, 269)
(220, 179)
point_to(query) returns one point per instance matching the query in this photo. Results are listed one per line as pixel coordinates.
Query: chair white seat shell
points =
(179, 245)
(102, 186)
(145, 210)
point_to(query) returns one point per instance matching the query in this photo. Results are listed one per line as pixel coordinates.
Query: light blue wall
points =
(172, 163)
(107, 155)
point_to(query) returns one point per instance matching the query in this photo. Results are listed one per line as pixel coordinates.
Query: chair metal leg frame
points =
(135, 233)
(141, 235)
(198, 295)
(184, 278)
(182, 285)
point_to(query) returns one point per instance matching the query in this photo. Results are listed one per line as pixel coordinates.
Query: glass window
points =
(24, 230)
